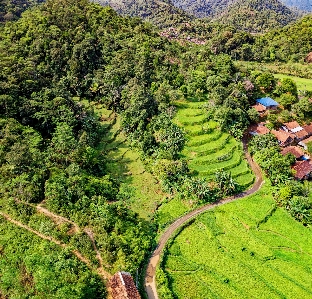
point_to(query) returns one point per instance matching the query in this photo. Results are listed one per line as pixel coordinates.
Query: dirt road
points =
(150, 279)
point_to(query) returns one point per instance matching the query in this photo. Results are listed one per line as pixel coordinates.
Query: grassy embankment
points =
(302, 83)
(297, 70)
(125, 165)
(246, 249)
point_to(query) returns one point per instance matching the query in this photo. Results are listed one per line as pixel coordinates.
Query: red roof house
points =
(295, 150)
(292, 125)
(284, 138)
(122, 286)
(303, 169)
(259, 108)
(259, 129)
(308, 129)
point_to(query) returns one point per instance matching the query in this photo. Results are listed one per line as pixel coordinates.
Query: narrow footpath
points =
(150, 275)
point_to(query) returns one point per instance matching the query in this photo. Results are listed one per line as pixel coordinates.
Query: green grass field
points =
(302, 83)
(208, 149)
(240, 251)
(125, 165)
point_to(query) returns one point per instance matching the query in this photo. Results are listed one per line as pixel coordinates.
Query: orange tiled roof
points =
(282, 136)
(259, 107)
(292, 125)
(302, 169)
(295, 150)
(308, 128)
(301, 134)
(259, 129)
(122, 286)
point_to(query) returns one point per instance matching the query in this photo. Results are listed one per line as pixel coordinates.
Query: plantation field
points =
(302, 83)
(208, 149)
(246, 249)
(125, 165)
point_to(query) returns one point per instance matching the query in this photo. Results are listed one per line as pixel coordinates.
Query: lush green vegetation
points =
(248, 248)
(119, 131)
(160, 13)
(36, 268)
(12, 10)
(302, 83)
(289, 69)
(257, 15)
(208, 149)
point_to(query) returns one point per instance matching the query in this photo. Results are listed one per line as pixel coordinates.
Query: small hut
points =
(122, 286)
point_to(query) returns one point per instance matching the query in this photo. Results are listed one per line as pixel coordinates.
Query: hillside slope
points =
(11, 10)
(204, 8)
(160, 13)
(257, 15)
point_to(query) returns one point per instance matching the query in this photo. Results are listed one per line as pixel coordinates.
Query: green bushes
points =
(31, 266)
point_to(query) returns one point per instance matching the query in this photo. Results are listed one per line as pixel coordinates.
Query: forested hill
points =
(257, 15)
(291, 43)
(299, 4)
(11, 10)
(160, 13)
(251, 15)
(203, 8)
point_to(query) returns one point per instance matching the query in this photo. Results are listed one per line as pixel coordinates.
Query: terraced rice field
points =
(208, 149)
(246, 249)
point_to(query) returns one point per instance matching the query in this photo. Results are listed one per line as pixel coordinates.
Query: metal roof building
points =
(267, 102)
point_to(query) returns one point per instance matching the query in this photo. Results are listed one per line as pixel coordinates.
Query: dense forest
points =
(299, 4)
(160, 13)
(11, 10)
(256, 15)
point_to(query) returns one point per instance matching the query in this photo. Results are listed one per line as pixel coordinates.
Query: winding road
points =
(150, 275)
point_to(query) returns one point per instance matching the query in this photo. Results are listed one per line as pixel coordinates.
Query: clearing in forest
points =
(125, 165)
(208, 149)
(246, 249)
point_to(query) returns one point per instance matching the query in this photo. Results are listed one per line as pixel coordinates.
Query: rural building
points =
(259, 129)
(259, 108)
(295, 150)
(308, 129)
(122, 286)
(294, 127)
(304, 142)
(284, 138)
(268, 103)
(303, 170)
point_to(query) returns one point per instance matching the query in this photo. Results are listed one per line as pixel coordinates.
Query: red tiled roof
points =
(308, 128)
(292, 125)
(301, 134)
(302, 169)
(122, 286)
(295, 150)
(259, 129)
(259, 107)
(282, 136)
